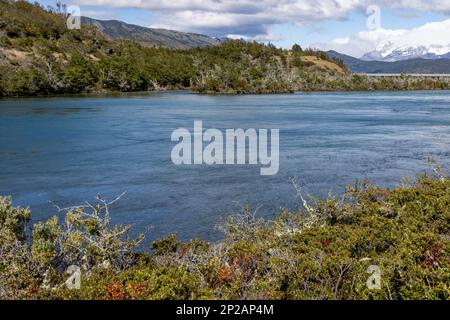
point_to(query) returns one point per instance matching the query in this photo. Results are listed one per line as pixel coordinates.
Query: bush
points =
(321, 252)
(80, 73)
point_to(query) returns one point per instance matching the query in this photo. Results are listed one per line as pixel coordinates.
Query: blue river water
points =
(66, 150)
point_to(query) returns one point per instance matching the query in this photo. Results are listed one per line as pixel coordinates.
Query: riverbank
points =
(320, 252)
(415, 87)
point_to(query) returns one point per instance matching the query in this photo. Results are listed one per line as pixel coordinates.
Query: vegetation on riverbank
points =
(39, 55)
(320, 252)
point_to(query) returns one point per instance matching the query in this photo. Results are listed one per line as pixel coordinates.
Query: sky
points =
(352, 27)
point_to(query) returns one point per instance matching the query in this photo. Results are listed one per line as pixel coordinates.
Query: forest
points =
(39, 55)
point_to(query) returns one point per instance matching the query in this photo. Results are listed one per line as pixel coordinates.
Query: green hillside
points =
(39, 55)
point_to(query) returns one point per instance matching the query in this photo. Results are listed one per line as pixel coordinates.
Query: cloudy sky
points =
(348, 26)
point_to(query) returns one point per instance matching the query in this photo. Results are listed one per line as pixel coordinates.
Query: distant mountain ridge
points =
(433, 66)
(149, 36)
(391, 53)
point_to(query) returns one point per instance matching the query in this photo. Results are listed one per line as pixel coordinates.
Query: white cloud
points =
(268, 37)
(435, 33)
(100, 14)
(254, 18)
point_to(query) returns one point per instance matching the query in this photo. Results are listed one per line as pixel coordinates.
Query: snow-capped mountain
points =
(389, 52)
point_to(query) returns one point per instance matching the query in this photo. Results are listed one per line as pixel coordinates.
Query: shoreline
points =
(256, 259)
(191, 91)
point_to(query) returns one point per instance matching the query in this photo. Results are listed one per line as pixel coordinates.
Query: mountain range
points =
(150, 36)
(389, 52)
(416, 65)
(385, 59)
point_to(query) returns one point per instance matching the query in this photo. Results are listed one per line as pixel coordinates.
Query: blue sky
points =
(326, 24)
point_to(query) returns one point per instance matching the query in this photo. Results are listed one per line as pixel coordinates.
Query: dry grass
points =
(14, 55)
(324, 64)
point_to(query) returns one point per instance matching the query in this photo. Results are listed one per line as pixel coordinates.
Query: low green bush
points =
(321, 252)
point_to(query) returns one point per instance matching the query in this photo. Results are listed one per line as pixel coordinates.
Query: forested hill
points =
(149, 36)
(39, 55)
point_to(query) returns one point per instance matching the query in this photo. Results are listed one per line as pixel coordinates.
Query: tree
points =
(296, 48)
(80, 74)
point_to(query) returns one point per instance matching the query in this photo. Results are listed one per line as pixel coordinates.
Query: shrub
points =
(320, 252)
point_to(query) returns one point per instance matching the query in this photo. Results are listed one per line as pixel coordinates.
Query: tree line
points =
(39, 55)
